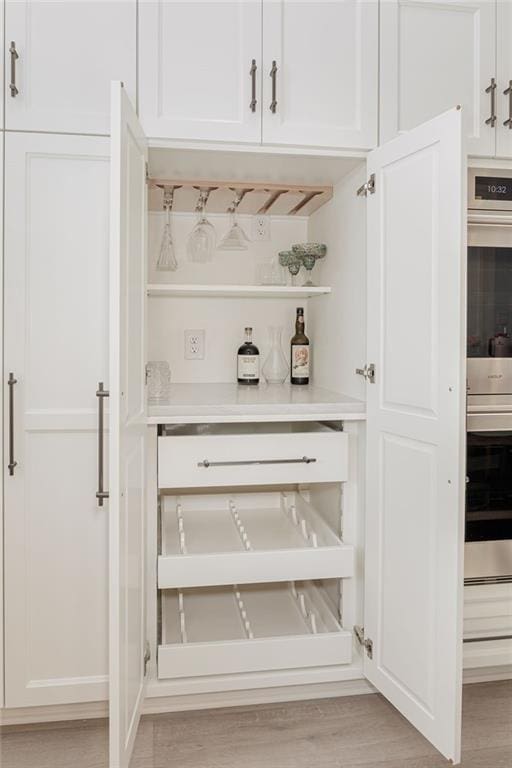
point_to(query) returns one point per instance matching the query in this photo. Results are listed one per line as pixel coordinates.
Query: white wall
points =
(337, 322)
(223, 320)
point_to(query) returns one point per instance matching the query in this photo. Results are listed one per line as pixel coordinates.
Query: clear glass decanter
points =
(275, 368)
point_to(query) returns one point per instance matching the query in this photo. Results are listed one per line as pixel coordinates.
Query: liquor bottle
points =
(248, 361)
(299, 352)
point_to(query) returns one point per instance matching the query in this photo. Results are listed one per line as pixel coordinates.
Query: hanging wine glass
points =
(166, 257)
(201, 241)
(235, 238)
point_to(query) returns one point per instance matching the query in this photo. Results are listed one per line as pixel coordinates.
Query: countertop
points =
(201, 403)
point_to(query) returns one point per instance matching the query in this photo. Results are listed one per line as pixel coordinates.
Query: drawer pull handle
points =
(101, 394)
(12, 463)
(206, 463)
(491, 89)
(14, 58)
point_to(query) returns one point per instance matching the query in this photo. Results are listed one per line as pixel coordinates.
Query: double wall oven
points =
(488, 553)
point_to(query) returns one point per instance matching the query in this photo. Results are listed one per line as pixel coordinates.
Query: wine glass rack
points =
(257, 198)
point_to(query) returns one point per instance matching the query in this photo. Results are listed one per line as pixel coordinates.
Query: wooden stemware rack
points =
(258, 198)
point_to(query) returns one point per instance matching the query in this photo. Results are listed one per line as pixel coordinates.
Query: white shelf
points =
(202, 403)
(247, 538)
(230, 630)
(236, 291)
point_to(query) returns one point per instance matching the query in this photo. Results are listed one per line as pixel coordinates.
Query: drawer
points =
(245, 538)
(230, 630)
(256, 455)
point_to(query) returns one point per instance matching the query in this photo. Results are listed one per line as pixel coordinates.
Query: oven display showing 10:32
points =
(493, 188)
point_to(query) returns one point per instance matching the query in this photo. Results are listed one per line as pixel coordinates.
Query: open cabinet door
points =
(127, 427)
(416, 421)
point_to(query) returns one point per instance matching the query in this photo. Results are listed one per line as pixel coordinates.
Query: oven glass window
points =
(489, 486)
(489, 302)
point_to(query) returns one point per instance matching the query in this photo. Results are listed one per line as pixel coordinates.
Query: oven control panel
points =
(490, 189)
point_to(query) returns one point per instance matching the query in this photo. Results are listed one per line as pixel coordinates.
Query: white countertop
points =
(194, 403)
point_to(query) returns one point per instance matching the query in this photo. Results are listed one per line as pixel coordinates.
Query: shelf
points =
(257, 197)
(236, 291)
(247, 538)
(229, 630)
(219, 402)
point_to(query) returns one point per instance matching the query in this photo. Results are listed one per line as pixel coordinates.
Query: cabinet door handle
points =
(273, 75)
(206, 463)
(252, 73)
(101, 394)
(11, 382)
(508, 92)
(14, 57)
(492, 90)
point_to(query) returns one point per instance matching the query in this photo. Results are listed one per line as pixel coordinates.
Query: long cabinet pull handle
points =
(11, 382)
(252, 73)
(491, 120)
(14, 58)
(206, 463)
(273, 75)
(101, 394)
(508, 92)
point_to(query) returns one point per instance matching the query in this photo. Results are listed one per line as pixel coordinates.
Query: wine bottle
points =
(299, 352)
(248, 361)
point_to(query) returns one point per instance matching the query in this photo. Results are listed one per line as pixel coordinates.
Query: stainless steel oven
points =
(488, 551)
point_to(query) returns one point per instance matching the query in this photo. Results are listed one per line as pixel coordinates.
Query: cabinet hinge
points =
(368, 188)
(364, 641)
(368, 372)
(147, 657)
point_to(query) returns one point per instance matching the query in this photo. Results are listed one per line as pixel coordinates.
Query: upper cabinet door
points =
(434, 56)
(320, 73)
(504, 98)
(416, 419)
(127, 427)
(66, 54)
(200, 70)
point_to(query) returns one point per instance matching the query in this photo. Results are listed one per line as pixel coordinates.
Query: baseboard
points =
(54, 713)
(487, 674)
(160, 704)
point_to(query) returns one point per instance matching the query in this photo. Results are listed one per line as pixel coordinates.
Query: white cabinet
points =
(195, 69)
(56, 328)
(504, 80)
(434, 56)
(66, 54)
(415, 490)
(320, 64)
(212, 71)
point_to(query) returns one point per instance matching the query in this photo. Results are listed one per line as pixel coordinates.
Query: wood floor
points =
(351, 732)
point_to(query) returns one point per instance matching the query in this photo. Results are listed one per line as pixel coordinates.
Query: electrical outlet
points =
(260, 228)
(194, 345)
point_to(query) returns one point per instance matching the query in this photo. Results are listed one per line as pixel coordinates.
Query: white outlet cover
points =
(194, 344)
(260, 228)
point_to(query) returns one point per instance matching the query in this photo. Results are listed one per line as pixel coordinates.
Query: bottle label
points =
(300, 361)
(248, 366)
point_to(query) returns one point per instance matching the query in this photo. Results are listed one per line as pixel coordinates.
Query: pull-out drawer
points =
(245, 538)
(253, 454)
(249, 629)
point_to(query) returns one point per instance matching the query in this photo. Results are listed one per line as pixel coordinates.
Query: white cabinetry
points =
(414, 510)
(195, 69)
(324, 61)
(68, 52)
(211, 71)
(56, 304)
(435, 55)
(504, 79)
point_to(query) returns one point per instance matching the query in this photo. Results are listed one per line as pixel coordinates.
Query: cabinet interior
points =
(335, 321)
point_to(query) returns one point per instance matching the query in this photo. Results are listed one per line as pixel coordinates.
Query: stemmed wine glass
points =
(201, 241)
(292, 261)
(235, 239)
(308, 254)
(166, 257)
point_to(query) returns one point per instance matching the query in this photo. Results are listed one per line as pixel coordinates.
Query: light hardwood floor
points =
(351, 732)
